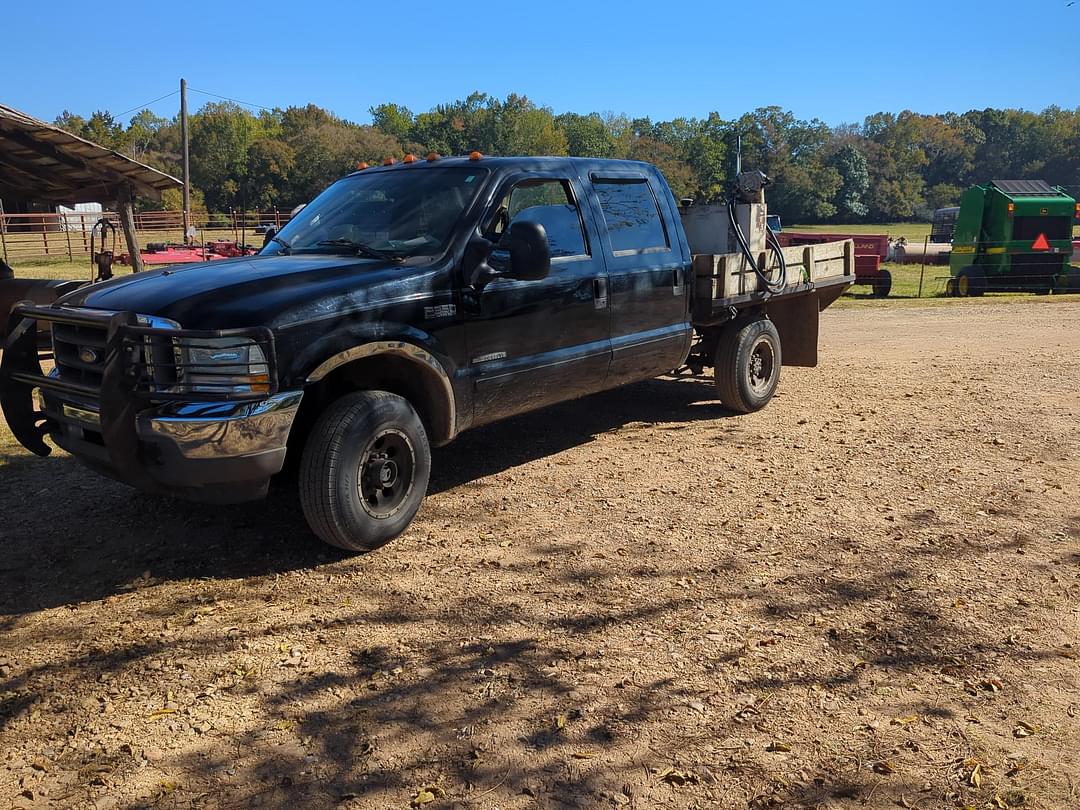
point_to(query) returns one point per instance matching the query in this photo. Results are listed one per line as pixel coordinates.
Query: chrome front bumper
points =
(223, 452)
(214, 430)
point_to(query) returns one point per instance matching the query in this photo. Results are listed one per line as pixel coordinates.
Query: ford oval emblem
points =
(88, 355)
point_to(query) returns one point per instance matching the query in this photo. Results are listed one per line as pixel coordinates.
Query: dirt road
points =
(867, 595)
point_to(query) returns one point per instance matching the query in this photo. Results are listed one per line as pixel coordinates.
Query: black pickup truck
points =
(406, 303)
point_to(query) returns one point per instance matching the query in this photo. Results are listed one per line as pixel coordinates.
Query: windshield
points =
(403, 213)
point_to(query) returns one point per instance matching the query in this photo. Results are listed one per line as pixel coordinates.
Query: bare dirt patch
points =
(864, 596)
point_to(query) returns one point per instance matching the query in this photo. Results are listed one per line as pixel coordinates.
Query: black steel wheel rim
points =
(385, 474)
(761, 365)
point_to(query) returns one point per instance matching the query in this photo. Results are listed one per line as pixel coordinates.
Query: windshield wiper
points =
(283, 243)
(361, 249)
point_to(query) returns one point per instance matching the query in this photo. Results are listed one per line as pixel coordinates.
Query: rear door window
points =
(632, 215)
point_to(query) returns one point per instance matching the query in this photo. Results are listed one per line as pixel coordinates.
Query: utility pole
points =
(187, 165)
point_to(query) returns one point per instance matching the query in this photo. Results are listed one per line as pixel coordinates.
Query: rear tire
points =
(882, 285)
(365, 470)
(748, 362)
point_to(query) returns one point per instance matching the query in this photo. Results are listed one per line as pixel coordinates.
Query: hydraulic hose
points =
(771, 287)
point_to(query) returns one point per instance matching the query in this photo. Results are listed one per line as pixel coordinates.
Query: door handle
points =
(677, 287)
(599, 291)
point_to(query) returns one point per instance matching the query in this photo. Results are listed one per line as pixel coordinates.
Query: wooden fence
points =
(28, 237)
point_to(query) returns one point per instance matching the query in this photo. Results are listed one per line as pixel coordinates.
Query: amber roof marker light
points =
(363, 164)
(433, 156)
(389, 162)
(475, 155)
(410, 158)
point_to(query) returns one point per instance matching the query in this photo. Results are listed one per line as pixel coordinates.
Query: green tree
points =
(221, 134)
(586, 135)
(850, 165)
(393, 120)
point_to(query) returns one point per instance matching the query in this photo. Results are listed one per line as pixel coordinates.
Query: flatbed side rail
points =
(723, 282)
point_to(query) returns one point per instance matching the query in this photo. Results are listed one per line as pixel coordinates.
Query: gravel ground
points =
(866, 595)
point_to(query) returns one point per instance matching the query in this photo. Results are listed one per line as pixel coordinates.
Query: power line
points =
(147, 104)
(233, 100)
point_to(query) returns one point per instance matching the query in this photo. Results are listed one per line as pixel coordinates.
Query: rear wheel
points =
(364, 470)
(882, 285)
(970, 282)
(747, 365)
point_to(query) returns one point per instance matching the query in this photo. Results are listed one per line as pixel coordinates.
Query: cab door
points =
(532, 343)
(648, 273)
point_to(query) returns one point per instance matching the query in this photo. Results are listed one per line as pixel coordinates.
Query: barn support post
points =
(3, 231)
(126, 208)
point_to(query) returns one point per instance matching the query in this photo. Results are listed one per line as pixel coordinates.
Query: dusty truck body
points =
(406, 304)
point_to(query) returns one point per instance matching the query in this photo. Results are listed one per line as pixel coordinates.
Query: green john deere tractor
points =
(1012, 235)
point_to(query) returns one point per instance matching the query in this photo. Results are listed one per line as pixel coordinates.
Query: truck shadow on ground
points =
(70, 536)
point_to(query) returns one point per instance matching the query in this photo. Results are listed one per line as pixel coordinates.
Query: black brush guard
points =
(129, 381)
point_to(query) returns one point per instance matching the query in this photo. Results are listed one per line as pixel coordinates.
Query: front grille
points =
(79, 353)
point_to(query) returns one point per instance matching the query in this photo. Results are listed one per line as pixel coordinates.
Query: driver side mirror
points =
(523, 254)
(530, 254)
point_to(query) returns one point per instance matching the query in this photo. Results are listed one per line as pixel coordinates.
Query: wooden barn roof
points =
(43, 163)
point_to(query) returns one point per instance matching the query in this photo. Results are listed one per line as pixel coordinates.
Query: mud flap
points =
(796, 320)
(28, 425)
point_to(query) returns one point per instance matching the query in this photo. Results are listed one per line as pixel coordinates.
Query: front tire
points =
(748, 365)
(882, 285)
(970, 282)
(364, 470)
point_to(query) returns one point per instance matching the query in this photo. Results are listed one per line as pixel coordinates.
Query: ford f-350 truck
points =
(407, 303)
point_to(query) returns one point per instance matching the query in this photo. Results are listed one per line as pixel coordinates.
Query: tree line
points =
(891, 167)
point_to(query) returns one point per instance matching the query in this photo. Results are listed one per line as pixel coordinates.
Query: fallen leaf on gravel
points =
(673, 776)
(991, 685)
(1068, 652)
(884, 767)
(426, 795)
(907, 720)
(1024, 729)
(560, 722)
(157, 714)
(975, 777)
(778, 747)
(583, 755)
(1011, 798)
(283, 725)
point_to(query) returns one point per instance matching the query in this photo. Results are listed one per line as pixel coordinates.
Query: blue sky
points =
(837, 61)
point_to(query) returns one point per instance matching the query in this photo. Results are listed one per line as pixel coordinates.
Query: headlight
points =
(222, 366)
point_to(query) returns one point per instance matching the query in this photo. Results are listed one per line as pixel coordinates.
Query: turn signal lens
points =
(1011, 208)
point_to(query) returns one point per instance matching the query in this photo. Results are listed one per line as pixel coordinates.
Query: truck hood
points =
(248, 291)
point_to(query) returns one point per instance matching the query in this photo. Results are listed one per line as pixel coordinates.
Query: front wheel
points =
(882, 285)
(364, 470)
(748, 365)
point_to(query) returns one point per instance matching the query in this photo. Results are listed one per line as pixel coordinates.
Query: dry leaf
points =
(975, 777)
(560, 722)
(157, 714)
(426, 795)
(778, 747)
(906, 720)
(884, 767)
(1024, 729)
(583, 755)
(283, 725)
(673, 776)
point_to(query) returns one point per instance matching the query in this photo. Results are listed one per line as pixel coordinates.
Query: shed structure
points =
(42, 162)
